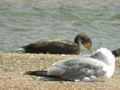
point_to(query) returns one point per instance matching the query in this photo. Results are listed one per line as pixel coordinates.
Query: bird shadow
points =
(44, 77)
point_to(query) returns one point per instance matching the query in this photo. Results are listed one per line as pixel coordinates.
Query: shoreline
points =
(14, 65)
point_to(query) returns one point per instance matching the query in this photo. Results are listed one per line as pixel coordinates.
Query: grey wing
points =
(79, 72)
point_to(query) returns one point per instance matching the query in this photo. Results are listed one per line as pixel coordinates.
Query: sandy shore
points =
(13, 66)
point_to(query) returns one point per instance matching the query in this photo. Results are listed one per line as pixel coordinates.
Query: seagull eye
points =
(94, 55)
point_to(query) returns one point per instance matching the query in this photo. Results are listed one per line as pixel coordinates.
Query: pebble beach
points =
(14, 65)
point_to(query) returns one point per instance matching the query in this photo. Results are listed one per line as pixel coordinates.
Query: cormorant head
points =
(84, 40)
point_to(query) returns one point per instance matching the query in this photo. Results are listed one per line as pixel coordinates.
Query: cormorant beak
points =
(88, 46)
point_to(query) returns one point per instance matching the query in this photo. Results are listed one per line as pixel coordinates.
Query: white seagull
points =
(98, 66)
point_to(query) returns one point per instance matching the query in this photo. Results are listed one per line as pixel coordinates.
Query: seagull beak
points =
(88, 46)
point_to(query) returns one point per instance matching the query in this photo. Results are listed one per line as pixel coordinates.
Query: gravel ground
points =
(13, 66)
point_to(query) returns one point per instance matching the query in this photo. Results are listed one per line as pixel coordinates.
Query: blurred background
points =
(26, 21)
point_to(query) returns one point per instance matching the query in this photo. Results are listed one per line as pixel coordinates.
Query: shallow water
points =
(21, 26)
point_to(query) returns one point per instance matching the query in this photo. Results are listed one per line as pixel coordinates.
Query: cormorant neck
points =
(77, 41)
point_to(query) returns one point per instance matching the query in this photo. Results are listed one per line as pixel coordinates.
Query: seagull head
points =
(105, 55)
